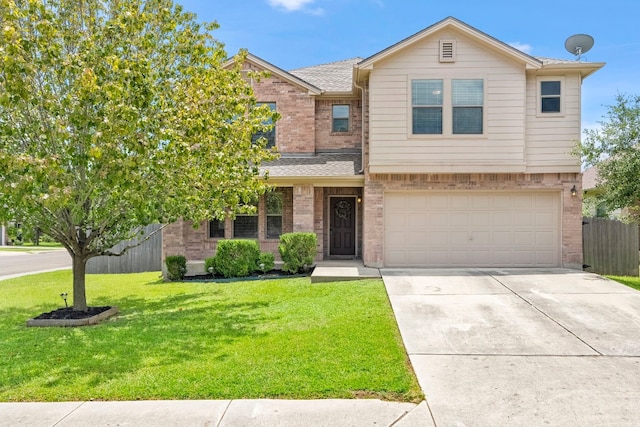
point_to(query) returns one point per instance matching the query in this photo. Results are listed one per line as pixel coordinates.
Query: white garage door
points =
(472, 229)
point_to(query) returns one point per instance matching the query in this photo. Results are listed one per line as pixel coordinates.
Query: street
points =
(18, 263)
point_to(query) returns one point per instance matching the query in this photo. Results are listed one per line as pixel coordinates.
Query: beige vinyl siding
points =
(551, 138)
(501, 147)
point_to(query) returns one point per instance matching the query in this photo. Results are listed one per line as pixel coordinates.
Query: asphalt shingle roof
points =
(322, 165)
(332, 77)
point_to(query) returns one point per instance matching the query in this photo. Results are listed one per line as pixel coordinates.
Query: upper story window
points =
(467, 100)
(269, 135)
(340, 118)
(550, 96)
(447, 106)
(426, 102)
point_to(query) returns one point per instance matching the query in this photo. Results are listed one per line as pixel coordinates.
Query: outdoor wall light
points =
(359, 199)
(574, 192)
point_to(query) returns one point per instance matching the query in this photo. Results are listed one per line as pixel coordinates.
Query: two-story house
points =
(447, 149)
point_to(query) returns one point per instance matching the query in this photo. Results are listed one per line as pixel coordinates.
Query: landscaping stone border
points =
(74, 322)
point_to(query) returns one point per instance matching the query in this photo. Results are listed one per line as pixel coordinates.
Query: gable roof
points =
(335, 77)
(274, 70)
(451, 22)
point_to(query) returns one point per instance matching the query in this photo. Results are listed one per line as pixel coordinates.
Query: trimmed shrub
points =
(266, 262)
(297, 250)
(210, 265)
(176, 267)
(236, 258)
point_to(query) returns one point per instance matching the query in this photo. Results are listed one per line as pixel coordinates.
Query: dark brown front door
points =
(342, 223)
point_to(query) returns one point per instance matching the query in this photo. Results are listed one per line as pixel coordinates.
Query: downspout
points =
(364, 99)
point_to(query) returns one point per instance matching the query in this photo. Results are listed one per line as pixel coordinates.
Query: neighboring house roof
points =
(590, 178)
(331, 77)
(319, 165)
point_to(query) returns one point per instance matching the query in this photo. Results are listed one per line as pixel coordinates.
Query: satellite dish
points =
(579, 44)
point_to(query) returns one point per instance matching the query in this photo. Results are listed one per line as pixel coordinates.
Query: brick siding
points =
(295, 131)
(326, 140)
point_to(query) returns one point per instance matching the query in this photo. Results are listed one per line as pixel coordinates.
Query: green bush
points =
(297, 250)
(210, 265)
(266, 262)
(236, 258)
(176, 267)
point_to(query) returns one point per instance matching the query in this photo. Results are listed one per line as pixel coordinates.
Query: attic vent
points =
(447, 50)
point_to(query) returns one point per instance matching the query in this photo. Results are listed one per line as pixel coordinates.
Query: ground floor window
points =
(273, 202)
(245, 226)
(216, 229)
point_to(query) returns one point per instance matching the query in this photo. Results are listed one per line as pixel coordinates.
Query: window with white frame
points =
(550, 96)
(426, 102)
(467, 99)
(447, 106)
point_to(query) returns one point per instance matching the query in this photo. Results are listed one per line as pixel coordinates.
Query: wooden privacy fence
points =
(146, 257)
(610, 247)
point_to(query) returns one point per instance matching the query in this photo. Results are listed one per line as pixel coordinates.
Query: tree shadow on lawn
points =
(145, 335)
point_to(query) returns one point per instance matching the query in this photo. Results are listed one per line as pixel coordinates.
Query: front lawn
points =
(632, 282)
(256, 339)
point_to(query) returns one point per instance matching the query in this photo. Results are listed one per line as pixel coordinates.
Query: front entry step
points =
(338, 271)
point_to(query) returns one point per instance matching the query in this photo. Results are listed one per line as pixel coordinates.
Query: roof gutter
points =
(363, 121)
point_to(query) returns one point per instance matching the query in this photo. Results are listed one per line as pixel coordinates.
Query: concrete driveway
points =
(521, 347)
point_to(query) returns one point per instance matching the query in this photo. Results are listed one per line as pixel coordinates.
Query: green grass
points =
(255, 339)
(632, 282)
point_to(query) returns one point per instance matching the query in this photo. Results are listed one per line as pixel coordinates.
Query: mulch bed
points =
(273, 274)
(70, 313)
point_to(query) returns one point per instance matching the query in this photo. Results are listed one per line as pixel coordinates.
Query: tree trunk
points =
(79, 291)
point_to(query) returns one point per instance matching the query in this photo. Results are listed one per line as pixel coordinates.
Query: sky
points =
(299, 33)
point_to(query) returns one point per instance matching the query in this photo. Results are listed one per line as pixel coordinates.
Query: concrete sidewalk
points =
(217, 413)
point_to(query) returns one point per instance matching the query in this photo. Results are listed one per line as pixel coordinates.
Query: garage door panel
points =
(467, 229)
(438, 219)
(523, 238)
(544, 257)
(440, 202)
(416, 239)
(503, 238)
(459, 219)
(524, 219)
(480, 238)
(482, 219)
(544, 219)
(544, 238)
(417, 220)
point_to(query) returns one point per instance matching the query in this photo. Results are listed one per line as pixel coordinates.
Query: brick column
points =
(303, 208)
(572, 224)
(372, 251)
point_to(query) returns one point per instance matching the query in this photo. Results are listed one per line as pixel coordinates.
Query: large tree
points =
(115, 114)
(614, 148)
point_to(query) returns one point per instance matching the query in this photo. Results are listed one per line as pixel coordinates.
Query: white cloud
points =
(290, 5)
(526, 48)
